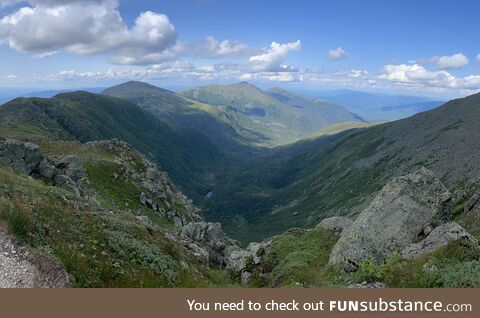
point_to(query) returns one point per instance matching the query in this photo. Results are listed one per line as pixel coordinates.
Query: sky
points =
(417, 47)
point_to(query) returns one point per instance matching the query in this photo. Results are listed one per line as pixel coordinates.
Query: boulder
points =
(23, 157)
(248, 261)
(210, 237)
(397, 217)
(335, 223)
(71, 166)
(440, 236)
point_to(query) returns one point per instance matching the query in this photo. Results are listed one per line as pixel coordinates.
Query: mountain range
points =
(377, 107)
(267, 165)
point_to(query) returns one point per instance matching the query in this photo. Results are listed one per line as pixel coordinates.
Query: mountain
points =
(327, 113)
(188, 156)
(278, 115)
(101, 214)
(376, 106)
(299, 185)
(214, 123)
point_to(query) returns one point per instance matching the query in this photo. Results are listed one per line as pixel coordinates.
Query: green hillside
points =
(300, 184)
(188, 156)
(214, 122)
(279, 118)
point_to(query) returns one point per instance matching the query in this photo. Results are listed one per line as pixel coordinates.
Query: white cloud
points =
(87, 27)
(212, 48)
(11, 77)
(273, 57)
(417, 77)
(271, 77)
(175, 70)
(454, 61)
(336, 54)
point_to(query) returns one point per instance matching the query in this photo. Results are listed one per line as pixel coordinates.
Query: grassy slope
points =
(189, 157)
(299, 258)
(100, 246)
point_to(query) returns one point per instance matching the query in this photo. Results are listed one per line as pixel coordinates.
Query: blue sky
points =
(422, 47)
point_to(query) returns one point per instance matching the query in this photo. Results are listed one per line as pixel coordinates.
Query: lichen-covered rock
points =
(71, 166)
(65, 172)
(440, 236)
(23, 157)
(210, 237)
(335, 223)
(395, 218)
(247, 261)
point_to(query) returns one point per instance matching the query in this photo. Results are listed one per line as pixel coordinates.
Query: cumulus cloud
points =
(454, 61)
(273, 57)
(11, 77)
(272, 77)
(336, 54)
(416, 76)
(169, 70)
(212, 48)
(86, 27)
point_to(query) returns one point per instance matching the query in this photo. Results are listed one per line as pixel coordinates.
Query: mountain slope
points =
(213, 122)
(189, 157)
(327, 113)
(300, 184)
(281, 122)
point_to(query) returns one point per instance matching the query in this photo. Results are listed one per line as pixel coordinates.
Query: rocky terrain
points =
(19, 269)
(87, 190)
(203, 241)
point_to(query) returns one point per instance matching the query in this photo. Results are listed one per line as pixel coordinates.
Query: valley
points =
(174, 189)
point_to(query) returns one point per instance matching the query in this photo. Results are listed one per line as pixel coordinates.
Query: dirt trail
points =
(18, 270)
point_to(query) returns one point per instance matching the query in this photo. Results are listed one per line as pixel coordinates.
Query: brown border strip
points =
(173, 302)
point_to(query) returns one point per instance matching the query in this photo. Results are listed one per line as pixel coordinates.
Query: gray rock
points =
(238, 260)
(440, 236)
(367, 285)
(335, 223)
(23, 157)
(46, 170)
(72, 167)
(472, 202)
(210, 237)
(396, 218)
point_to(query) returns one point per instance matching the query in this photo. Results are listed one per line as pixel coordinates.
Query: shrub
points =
(461, 275)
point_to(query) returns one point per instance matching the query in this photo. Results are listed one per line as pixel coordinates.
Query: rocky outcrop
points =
(440, 236)
(212, 239)
(23, 157)
(66, 172)
(335, 223)
(205, 241)
(247, 262)
(159, 193)
(405, 210)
